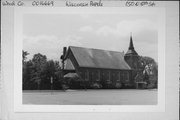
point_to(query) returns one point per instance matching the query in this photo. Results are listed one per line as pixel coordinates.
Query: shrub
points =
(96, 86)
(118, 85)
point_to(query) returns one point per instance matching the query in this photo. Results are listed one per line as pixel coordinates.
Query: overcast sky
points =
(49, 33)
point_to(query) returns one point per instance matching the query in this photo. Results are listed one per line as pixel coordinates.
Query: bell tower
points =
(131, 56)
(133, 60)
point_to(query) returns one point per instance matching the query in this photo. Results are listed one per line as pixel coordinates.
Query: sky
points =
(49, 33)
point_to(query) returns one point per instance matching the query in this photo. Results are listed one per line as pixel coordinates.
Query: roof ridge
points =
(96, 49)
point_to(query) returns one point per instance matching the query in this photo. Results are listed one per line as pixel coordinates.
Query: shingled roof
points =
(96, 58)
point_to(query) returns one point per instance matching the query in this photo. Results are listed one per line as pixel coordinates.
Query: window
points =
(98, 75)
(126, 76)
(86, 75)
(121, 76)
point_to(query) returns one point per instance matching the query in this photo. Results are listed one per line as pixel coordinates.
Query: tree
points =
(39, 64)
(38, 72)
(24, 55)
(150, 68)
(25, 69)
(39, 59)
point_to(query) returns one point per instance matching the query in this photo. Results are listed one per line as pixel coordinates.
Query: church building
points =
(112, 69)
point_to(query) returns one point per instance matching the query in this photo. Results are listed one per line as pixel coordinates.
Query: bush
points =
(64, 87)
(118, 85)
(96, 86)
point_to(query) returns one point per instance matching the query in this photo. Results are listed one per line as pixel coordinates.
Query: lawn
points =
(92, 97)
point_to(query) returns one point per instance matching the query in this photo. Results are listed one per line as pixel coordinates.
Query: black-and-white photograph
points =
(90, 59)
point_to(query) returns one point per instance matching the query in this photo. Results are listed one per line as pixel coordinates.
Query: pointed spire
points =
(131, 49)
(131, 46)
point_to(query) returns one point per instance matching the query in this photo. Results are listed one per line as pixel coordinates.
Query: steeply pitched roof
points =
(131, 46)
(131, 50)
(96, 58)
(68, 65)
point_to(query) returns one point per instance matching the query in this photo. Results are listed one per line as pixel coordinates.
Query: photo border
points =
(18, 34)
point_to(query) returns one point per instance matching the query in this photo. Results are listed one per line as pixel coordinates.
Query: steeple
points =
(131, 46)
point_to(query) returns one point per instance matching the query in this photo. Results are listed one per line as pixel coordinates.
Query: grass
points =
(91, 97)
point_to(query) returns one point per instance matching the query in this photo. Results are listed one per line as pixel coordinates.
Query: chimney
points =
(63, 56)
(64, 51)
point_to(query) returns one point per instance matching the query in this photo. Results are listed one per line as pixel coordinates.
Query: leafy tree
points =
(38, 68)
(48, 74)
(39, 60)
(25, 69)
(24, 55)
(150, 69)
(38, 72)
